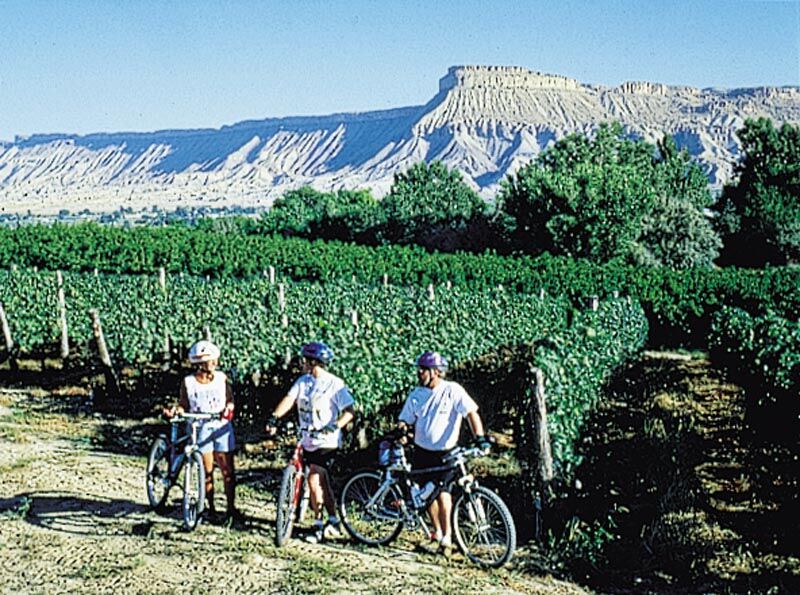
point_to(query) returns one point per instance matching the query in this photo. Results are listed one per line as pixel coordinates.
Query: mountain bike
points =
(293, 496)
(375, 506)
(176, 459)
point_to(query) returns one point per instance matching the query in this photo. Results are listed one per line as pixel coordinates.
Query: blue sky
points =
(81, 66)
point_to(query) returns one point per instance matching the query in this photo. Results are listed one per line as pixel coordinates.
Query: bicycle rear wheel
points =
(194, 490)
(483, 527)
(370, 519)
(158, 479)
(292, 486)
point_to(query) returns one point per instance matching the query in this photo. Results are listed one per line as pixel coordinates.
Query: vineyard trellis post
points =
(112, 382)
(536, 456)
(7, 339)
(62, 316)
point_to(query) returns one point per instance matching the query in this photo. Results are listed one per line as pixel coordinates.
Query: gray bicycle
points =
(375, 505)
(176, 460)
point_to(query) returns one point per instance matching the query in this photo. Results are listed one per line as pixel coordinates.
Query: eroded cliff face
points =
(487, 121)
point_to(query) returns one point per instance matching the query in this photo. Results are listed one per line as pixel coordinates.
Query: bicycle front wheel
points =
(483, 527)
(292, 485)
(369, 516)
(194, 490)
(158, 479)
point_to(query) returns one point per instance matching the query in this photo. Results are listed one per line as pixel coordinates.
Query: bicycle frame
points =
(400, 475)
(178, 455)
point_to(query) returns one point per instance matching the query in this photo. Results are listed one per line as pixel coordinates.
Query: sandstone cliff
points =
(485, 121)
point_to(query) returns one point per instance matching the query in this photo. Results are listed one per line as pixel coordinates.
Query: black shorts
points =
(424, 459)
(322, 457)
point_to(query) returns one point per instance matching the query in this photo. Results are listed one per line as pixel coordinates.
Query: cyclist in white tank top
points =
(208, 391)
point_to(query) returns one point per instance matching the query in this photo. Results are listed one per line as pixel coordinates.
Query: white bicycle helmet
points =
(203, 351)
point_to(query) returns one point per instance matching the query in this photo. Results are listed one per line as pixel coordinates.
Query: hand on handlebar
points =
(483, 443)
(272, 426)
(170, 412)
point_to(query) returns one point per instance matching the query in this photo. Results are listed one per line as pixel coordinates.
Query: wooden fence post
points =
(162, 279)
(112, 383)
(7, 340)
(62, 316)
(281, 297)
(535, 454)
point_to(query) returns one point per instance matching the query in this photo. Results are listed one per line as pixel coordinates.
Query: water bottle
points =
(420, 495)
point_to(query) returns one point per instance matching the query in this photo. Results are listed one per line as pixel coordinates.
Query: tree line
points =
(604, 197)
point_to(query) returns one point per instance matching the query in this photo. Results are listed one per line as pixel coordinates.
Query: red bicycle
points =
(292, 497)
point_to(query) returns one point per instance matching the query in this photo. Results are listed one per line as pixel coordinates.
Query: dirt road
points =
(73, 518)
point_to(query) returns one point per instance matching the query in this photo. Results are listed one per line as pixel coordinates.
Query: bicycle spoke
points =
(369, 516)
(484, 528)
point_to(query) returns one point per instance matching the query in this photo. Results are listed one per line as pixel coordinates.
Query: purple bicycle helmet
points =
(431, 359)
(318, 351)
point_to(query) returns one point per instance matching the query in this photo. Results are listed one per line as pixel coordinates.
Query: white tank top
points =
(206, 398)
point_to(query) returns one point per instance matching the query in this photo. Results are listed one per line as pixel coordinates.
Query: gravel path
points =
(73, 519)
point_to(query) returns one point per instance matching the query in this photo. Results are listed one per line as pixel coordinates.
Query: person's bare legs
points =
(224, 461)
(208, 465)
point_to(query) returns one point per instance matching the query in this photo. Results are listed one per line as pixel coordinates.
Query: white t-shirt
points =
(206, 398)
(436, 414)
(320, 401)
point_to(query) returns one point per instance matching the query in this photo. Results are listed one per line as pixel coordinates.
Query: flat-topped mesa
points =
(646, 88)
(470, 77)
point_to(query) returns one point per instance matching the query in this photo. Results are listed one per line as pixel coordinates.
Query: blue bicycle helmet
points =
(318, 351)
(431, 359)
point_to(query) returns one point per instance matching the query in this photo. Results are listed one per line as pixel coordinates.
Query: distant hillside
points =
(486, 121)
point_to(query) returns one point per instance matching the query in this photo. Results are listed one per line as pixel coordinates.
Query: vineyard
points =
(513, 327)
(376, 331)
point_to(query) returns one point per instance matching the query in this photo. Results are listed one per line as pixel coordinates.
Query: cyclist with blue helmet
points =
(433, 411)
(324, 407)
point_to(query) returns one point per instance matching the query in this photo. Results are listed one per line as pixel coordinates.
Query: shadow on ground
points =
(696, 503)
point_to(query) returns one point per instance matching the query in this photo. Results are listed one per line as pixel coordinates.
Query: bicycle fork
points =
(475, 511)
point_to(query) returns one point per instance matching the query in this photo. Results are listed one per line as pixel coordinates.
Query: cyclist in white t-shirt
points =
(208, 391)
(324, 407)
(434, 410)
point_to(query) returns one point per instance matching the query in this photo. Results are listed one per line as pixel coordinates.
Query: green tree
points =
(759, 215)
(609, 197)
(349, 215)
(295, 212)
(431, 205)
(309, 213)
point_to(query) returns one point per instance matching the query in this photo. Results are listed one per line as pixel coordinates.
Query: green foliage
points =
(341, 215)
(679, 303)
(763, 352)
(609, 197)
(759, 215)
(428, 205)
(256, 330)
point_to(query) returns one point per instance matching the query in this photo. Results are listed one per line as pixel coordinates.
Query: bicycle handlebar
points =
(180, 417)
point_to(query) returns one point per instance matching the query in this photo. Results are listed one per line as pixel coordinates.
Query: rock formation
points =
(486, 121)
